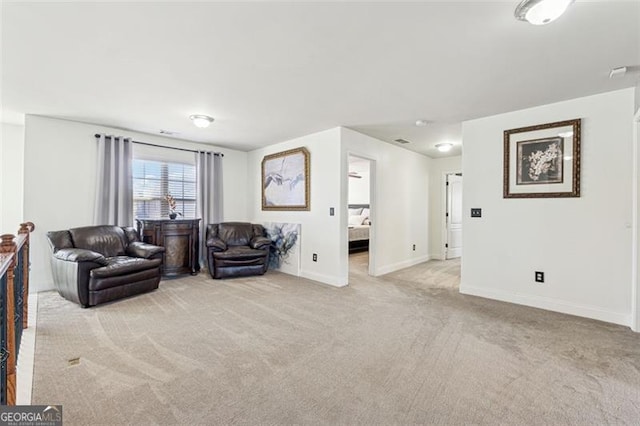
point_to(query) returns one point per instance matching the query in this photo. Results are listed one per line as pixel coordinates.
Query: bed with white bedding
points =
(359, 226)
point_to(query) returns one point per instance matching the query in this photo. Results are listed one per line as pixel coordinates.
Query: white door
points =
(454, 216)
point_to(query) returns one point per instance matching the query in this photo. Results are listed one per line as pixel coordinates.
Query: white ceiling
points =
(269, 72)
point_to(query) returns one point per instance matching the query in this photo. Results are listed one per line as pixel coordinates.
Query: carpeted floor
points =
(405, 348)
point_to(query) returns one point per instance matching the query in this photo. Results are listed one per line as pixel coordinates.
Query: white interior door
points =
(454, 216)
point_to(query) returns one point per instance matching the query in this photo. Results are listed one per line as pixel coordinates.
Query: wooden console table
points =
(180, 238)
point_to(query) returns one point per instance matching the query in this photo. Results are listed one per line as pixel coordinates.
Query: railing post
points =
(8, 245)
(26, 228)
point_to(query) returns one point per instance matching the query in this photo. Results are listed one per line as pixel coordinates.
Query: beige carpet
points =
(405, 348)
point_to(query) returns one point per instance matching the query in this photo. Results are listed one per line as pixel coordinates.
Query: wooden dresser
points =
(180, 238)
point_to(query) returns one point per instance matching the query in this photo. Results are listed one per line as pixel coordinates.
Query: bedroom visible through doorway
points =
(359, 216)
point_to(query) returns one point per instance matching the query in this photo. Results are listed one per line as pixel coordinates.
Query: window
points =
(152, 180)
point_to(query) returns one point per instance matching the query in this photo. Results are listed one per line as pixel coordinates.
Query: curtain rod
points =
(97, 135)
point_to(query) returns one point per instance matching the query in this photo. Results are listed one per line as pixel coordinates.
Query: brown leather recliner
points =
(236, 249)
(97, 264)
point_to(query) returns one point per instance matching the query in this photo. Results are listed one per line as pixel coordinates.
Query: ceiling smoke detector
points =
(421, 123)
(618, 72)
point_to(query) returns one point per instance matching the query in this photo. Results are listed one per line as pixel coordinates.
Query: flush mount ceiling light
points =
(541, 12)
(201, 121)
(444, 147)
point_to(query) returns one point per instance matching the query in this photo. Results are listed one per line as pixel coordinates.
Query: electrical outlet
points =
(315, 257)
(476, 212)
(539, 277)
(414, 247)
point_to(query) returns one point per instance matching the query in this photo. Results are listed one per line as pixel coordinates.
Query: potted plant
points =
(172, 206)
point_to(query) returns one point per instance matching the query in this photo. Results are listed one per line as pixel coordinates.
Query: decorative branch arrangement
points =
(172, 206)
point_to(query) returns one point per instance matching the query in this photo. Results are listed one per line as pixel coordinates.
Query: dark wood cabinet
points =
(180, 238)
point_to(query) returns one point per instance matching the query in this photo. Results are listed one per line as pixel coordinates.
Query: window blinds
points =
(152, 180)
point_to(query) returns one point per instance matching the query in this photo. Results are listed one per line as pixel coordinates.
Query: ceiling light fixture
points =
(201, 121)
(541, 12)
(422, 123)
(444, 147)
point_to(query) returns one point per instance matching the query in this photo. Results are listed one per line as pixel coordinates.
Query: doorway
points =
(453, 216)
(360, 214)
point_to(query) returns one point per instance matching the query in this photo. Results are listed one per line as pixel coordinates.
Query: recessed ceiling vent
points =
(167, 132)
(402, 141)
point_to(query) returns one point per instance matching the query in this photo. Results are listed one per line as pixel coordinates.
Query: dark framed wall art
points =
(285, 180)
(542, 161)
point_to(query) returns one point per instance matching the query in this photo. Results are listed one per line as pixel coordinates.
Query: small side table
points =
(180, 238)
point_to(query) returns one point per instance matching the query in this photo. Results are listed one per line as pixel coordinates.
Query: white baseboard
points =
(26, 358)
(325, 279)
(549, 304)
(401, 265)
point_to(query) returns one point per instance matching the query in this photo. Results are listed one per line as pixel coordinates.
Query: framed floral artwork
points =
(285, 180)
(542, 161)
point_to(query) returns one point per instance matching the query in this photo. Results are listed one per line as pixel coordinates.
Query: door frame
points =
(443, 224)
(635, 238)
(372, 209)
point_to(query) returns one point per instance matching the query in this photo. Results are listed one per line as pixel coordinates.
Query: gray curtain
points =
(114, 186)
(209, 196)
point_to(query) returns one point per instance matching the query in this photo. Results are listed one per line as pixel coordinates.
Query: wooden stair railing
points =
(14, 309)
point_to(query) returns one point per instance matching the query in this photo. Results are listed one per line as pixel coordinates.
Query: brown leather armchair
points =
(236, 249)
(97, 264)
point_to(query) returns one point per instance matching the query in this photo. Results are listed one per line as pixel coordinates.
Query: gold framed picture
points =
(285, 180)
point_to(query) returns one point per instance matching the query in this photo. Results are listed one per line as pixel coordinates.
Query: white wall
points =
(399, 203)
(59, 180)
(400, 214)
(582, 244)
(320, 233)
(437, 200)
(11, 177)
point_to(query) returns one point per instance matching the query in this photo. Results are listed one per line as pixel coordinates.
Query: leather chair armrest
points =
(80, 255)
(260, 243)
(216, 244)
(143, 250)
